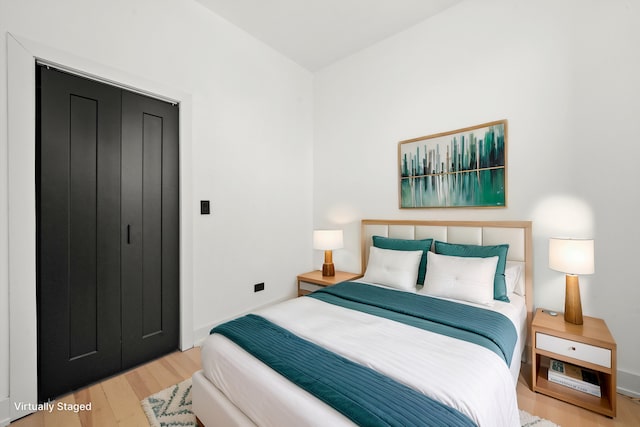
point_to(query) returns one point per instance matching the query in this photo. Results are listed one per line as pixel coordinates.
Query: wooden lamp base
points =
(572, 304)
(328, 268)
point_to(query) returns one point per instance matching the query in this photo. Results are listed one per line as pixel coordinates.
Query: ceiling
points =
(316, 33)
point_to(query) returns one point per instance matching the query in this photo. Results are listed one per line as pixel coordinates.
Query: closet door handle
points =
(128, 234)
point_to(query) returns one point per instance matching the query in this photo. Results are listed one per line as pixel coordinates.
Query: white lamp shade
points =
(572, 256)
(327, 240)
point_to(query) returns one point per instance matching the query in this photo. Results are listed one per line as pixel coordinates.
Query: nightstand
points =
(314, 280)
(589, 345)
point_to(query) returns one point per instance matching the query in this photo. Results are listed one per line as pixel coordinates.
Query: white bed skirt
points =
(212, 407)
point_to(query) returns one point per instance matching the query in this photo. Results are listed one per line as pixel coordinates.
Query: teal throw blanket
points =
(487, 328)
(361, 394)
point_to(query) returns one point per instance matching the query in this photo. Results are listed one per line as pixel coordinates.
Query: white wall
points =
(565, 76)
(562, 73)
(251, 141)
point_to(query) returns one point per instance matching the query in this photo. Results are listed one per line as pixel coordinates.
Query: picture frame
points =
(463, 168)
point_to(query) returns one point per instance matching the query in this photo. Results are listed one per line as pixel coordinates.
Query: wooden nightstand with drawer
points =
(589, 346)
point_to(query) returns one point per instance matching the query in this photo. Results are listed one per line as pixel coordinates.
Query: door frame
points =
(22, 55)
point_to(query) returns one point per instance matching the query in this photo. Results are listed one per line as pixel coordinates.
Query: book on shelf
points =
(575, 377)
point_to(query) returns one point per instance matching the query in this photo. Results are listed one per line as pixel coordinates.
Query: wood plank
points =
(60, 416)
(184, 366)
(193, 354)
(123, 401)
(164, 373)
(142, 382)
(101, 413)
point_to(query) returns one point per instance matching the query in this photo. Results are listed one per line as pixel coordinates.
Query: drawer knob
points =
(572, 348)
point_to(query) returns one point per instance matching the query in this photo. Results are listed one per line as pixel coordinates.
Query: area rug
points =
(172, 407)
(528, 420)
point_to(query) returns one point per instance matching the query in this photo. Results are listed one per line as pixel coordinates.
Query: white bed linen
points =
(465, 376)
(515, 310)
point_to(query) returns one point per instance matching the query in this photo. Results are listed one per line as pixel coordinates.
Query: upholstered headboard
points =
(516, 233)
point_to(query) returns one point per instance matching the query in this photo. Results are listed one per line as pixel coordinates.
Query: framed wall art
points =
(461, 168)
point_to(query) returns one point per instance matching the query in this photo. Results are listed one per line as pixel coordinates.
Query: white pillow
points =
(397, 269)
(463, 278)
(514, 277)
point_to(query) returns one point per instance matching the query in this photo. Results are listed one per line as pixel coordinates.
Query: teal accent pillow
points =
(423, 245)
(499, 282)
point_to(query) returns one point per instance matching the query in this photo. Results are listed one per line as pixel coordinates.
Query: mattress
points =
(463, 375)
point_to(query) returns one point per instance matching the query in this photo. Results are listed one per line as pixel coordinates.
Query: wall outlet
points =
(205, 208)
(258, 287)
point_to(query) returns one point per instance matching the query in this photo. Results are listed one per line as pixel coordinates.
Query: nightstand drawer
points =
(588, 353)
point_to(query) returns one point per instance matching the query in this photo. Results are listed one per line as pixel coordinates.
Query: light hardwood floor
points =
(116, 401)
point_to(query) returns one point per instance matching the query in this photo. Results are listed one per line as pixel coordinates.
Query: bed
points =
(374, 330)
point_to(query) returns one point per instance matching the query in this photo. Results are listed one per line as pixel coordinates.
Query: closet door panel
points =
(152, 225)
(83, 226)
(78, 184)
(150, 259)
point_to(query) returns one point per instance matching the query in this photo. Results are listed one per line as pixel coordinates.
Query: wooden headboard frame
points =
(516, 233)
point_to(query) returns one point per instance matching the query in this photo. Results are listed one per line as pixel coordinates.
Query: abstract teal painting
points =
(462, 168)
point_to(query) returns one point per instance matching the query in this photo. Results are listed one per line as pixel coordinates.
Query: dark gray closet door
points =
(150, 253)
(108, 230)
(78, 154)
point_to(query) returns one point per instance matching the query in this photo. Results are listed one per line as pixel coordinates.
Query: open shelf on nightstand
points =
(588, 346)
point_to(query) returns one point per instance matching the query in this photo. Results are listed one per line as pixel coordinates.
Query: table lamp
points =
(327, 240)
(573, 257)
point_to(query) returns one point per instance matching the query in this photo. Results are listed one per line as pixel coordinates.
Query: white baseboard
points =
(628, 383)
(5, 412)
(201, 333)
